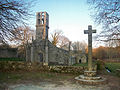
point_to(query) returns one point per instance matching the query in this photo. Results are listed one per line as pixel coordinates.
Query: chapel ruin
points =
(42, 50)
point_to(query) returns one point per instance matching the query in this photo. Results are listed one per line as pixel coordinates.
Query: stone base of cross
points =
(89, 32)
(90, 76)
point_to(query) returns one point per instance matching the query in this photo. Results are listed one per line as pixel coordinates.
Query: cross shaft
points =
(89, 32)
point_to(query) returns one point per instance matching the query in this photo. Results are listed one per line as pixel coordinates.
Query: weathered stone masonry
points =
(55, 55)
(41, 49)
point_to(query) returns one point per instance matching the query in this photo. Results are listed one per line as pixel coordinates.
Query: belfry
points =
(42, 25)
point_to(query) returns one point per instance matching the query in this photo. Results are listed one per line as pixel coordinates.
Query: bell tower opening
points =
(42, 25)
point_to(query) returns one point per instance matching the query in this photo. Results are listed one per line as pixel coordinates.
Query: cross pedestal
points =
(89, 32)
(90, 76)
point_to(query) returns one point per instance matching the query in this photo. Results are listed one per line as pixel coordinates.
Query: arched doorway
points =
(40, 57)
(79, 60)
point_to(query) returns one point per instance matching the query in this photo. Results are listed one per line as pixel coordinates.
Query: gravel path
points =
(52, 86)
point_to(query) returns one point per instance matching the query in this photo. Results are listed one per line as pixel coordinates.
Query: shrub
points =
(100, 65)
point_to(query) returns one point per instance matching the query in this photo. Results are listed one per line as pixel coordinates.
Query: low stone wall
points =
(8, 52)
(11, 66)
(68, 69)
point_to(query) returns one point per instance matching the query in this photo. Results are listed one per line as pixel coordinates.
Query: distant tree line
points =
(106, 53)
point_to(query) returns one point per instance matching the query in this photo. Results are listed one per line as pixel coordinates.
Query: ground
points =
(51, 81)
(113, 82)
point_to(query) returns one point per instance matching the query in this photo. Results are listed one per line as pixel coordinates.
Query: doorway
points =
(79, 60)
(40, 57)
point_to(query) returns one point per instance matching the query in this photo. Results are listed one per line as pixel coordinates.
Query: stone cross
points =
(89, 32)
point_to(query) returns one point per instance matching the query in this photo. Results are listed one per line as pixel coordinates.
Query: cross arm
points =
(89, 31)
(86, 31)
(94, 31)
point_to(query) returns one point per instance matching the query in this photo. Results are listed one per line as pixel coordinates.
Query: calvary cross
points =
(89, 32)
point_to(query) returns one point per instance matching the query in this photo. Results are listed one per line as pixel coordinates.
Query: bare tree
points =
(106, 53)
(63, 42)
(59, 40)
(107, 14)
(79, 46)
(55, 37)
(23, 35)
(100, 52)
(12, 14)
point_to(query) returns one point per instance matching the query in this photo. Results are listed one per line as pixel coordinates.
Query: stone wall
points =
(11, 66)
(57, 56)
(8, 52)
(68, 69)
(38, 47)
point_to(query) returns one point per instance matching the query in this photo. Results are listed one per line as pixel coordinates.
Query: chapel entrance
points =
(40, 57)
(79, 60)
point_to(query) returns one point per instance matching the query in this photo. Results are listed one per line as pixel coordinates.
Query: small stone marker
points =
(89, 32)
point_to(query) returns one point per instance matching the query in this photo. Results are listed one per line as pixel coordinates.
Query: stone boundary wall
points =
(12, 66)
(68, 69)
(57, 56)
(8, 53)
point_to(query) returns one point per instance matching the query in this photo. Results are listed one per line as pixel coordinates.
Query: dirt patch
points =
(53, 80)
(113, 82)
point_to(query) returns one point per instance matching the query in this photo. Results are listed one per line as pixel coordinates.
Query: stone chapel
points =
(42, 50)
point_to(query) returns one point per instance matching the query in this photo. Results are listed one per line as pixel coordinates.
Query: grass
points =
(113, 67)
(16, 77)
(12, 59)
(81, 64)
(13, 77)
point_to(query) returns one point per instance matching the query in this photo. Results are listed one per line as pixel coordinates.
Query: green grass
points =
(81, 64)
(12, 59)
(113, 67)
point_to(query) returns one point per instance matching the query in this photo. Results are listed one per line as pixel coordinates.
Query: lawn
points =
(81, 64)
(12, 59)
(113, 66)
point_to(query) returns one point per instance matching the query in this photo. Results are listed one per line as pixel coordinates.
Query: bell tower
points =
(42, 25)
